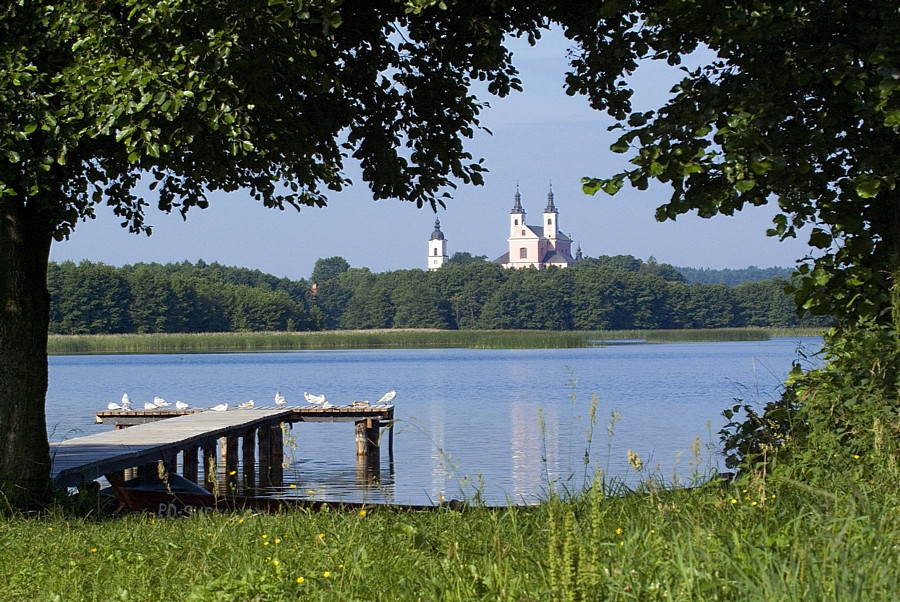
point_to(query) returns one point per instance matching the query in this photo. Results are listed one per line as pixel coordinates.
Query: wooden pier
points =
(147, 438)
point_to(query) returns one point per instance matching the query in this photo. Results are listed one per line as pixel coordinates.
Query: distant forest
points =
(733, 277)
(609, 292)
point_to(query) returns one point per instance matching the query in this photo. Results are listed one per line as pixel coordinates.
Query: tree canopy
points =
(799, 106)
(98, 97)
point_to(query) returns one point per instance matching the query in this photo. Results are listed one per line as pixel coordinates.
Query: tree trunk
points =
(25, 240)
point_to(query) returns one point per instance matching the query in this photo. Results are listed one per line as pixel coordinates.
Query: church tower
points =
(437, 247)
(550, 220)
(516, 216)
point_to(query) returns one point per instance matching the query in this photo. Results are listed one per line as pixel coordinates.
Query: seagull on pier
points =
(180, 405)
(314, 399)
(388, 397)
(246, 405)
(113, 406)
(150, 406)
(220, 408)
(126, 402)
(160, 402)
(326, 405)
(279, 399)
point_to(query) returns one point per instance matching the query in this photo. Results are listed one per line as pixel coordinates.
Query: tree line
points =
(610, 292)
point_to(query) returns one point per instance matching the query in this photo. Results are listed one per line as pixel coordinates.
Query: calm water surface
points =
(504, 423)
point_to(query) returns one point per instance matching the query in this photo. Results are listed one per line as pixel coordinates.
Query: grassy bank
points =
(781, 541)
(382, 339)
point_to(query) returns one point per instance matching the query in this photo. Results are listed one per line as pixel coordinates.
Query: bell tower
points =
(437, 247)
(516, 216)
(551, 215)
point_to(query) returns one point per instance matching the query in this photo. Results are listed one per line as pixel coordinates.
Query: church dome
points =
(437, 234)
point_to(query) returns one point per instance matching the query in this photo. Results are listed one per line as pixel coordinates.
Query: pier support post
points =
(367, 433)
(189, 459)
(277, 447)
(265, 457)
(248, 448)
(210, 467)
(230, 443)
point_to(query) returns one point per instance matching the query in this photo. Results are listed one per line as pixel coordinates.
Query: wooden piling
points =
(265, 457)
(277, 449)
(189, 459)
(231, 464)
(210, 467)
(367, 435)
(248, 448)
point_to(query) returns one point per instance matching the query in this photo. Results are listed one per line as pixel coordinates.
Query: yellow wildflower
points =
(326, 574)
(300, 579)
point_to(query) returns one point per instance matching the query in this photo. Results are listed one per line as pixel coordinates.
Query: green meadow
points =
(757, 540)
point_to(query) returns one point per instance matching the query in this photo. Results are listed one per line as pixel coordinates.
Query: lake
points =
(499, 424)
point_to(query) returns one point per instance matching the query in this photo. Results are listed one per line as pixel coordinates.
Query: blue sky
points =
(539, 136)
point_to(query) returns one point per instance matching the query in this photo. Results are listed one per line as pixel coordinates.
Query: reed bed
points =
(389, 339)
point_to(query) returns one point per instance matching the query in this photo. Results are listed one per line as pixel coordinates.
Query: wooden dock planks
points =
(160, 435)
(87, 458)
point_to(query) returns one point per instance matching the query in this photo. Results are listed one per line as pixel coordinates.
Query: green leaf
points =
(744, 185)
(620, 146)
(867, 186)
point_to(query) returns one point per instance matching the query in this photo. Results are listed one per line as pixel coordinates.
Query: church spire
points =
(551, 207)
(437, 234)
(517, 208)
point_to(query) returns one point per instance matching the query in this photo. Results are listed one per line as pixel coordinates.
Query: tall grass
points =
(758, 541)
(382, 339)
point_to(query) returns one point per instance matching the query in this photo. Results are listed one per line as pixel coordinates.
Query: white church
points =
(529, 246)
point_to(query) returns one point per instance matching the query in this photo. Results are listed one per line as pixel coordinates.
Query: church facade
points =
(536, 246)
(540, 246)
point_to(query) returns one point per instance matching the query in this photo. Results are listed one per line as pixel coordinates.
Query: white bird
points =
(220, 408)
(246, 405)
(150, 406)
(326, 405)
(126, 402)
(113, 406)
(388, 397)
(279, 399)
(181, 405)
(315, 399)
(160, 402)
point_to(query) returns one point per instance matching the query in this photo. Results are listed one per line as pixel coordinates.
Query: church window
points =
(523, 253)
(435, 250)
(523, 232)
(549, 222)
(515, 222)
